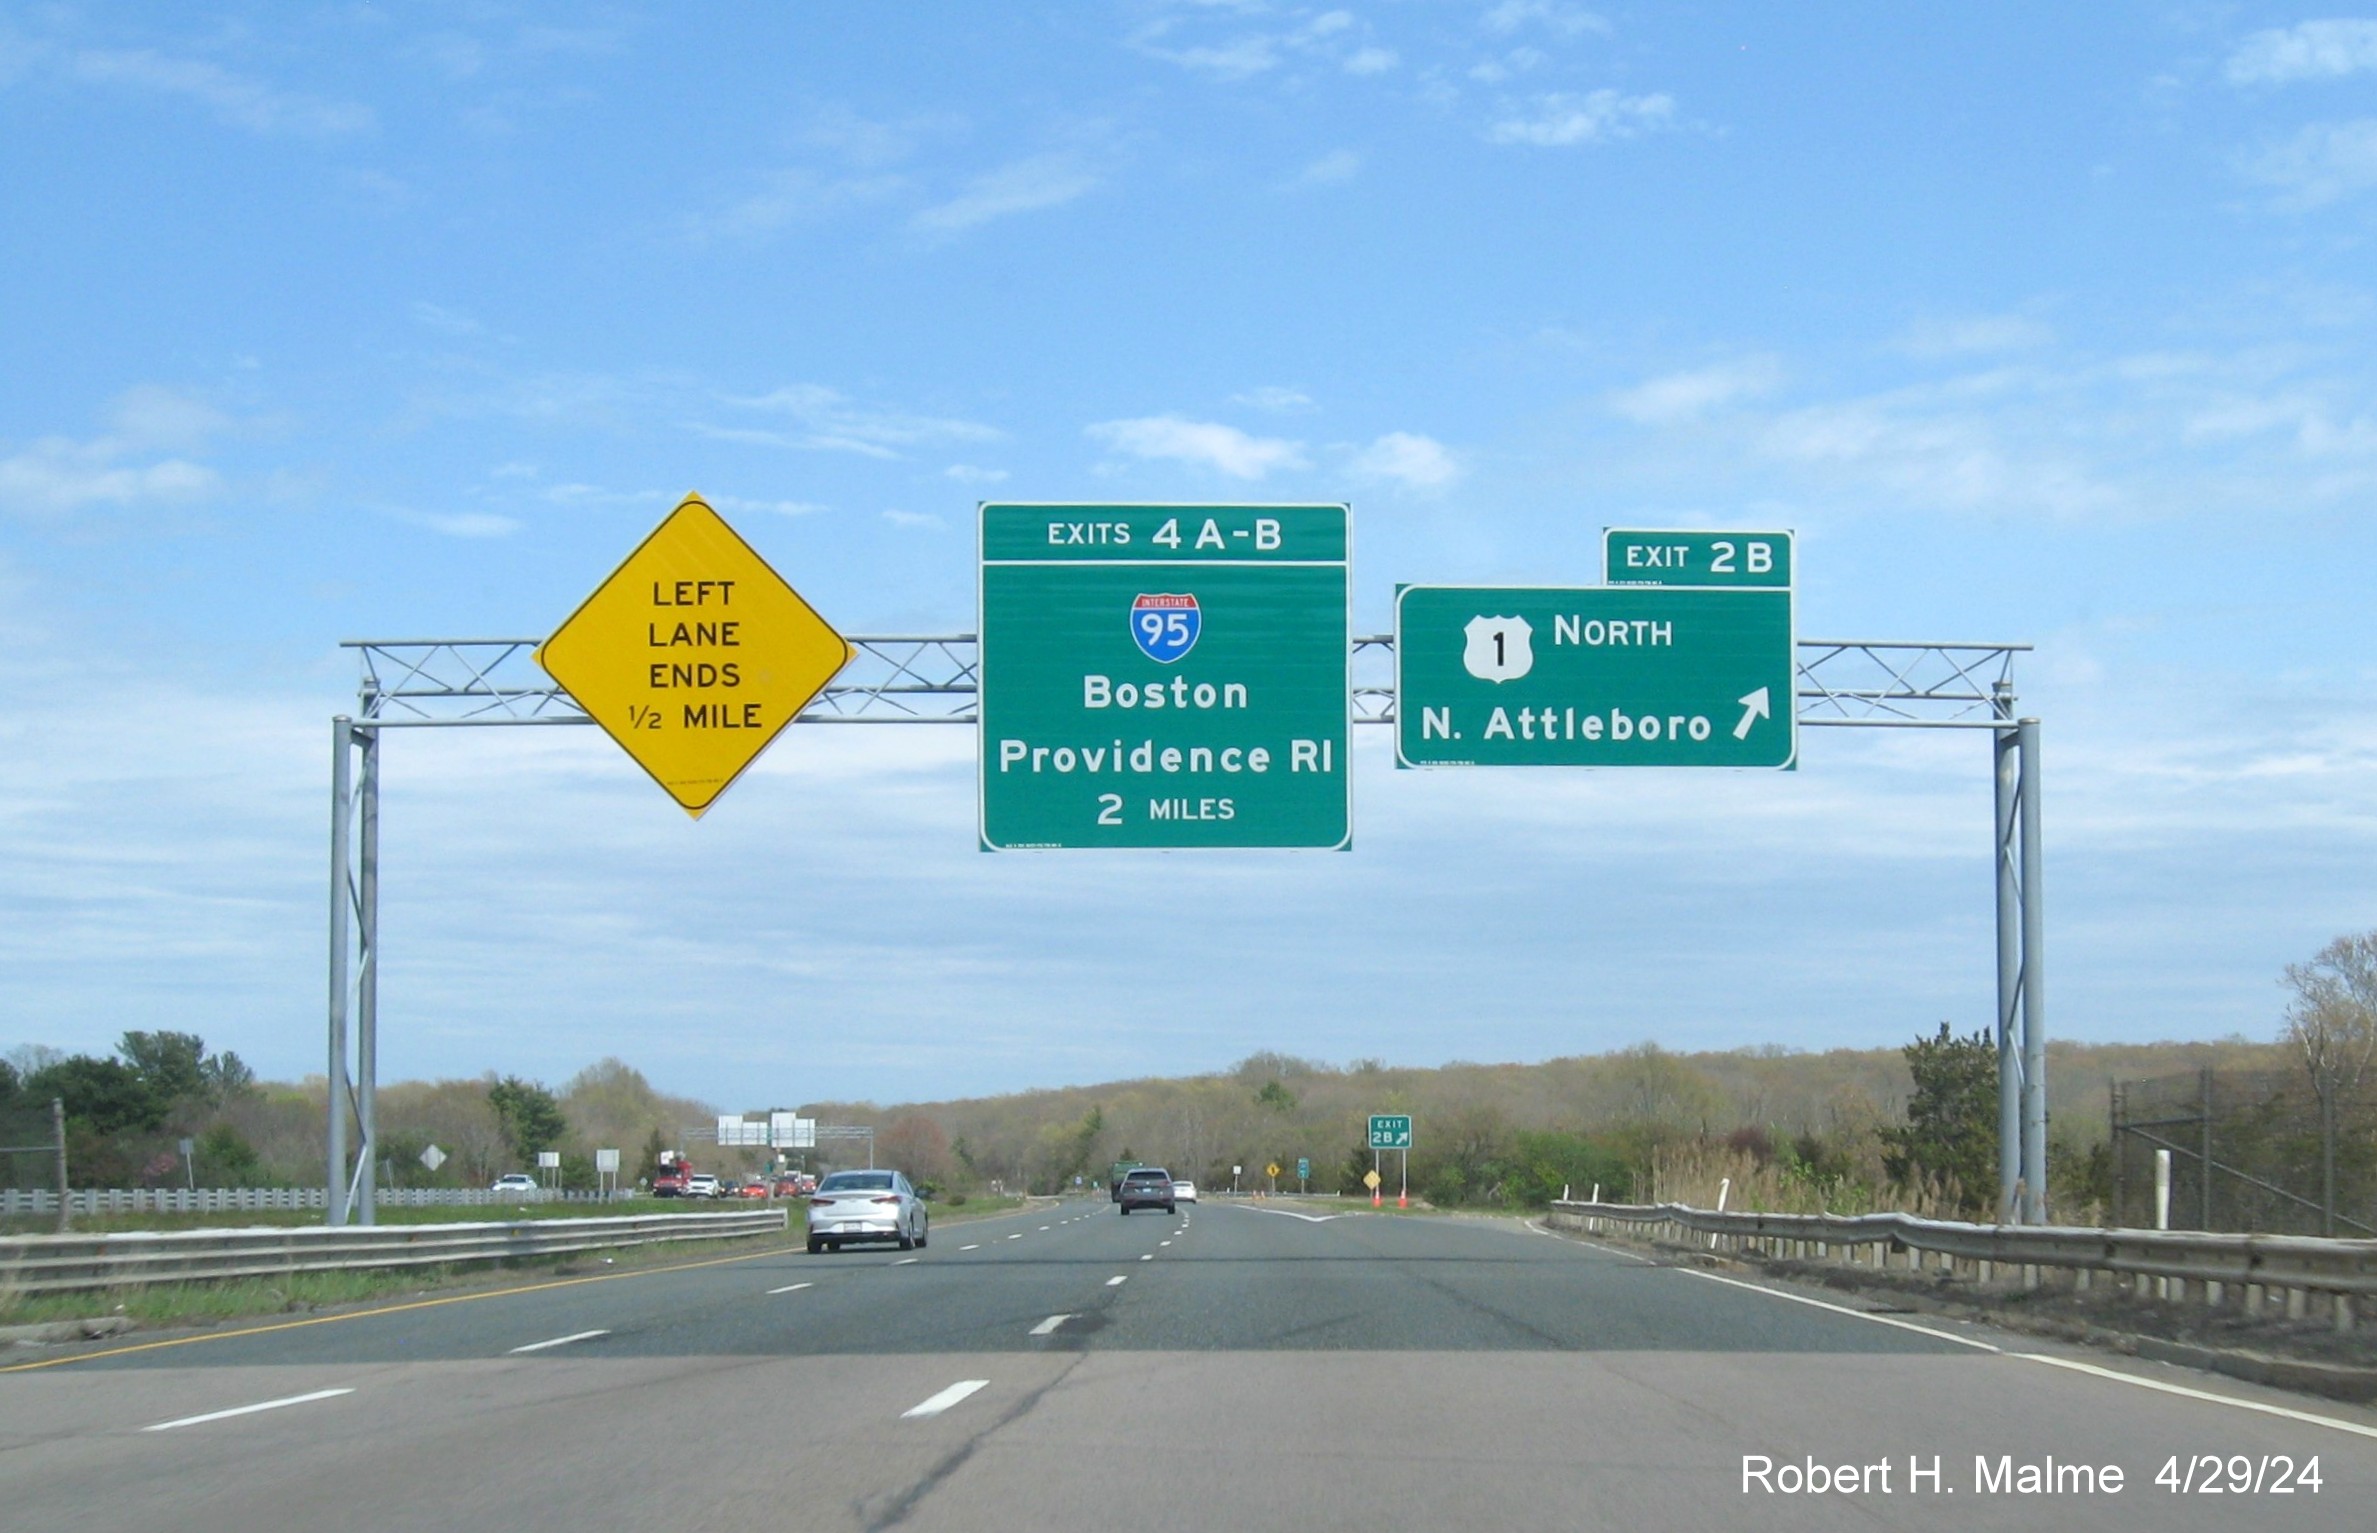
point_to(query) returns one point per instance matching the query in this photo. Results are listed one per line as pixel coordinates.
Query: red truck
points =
(669, 1180)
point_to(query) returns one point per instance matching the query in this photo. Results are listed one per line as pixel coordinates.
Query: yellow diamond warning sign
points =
(694, 654)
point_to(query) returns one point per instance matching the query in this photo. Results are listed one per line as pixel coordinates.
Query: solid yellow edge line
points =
(389, 1309)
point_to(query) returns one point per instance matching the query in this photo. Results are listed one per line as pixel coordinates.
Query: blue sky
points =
(2043, 324)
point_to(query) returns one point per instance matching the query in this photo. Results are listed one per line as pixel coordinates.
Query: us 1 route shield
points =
(1164, 676)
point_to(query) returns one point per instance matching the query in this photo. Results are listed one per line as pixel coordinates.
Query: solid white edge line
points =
(1048, 1327)
(945, 1399)
(558, 1341)
(248, 1410)
(794, 1288)
(2119, 1377)
(1840, 1309)
(1116, 1282)
(2074, 1365)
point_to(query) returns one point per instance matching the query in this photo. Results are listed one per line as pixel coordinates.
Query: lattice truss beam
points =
(935, 679)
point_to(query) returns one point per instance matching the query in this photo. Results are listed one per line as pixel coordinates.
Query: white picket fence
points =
(36, 1203)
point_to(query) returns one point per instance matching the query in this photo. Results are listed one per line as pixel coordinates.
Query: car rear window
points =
(856, 1181)
(1148, 1176)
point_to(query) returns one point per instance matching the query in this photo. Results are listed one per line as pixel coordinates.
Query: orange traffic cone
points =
(1403, 1200)
(1374, 1197)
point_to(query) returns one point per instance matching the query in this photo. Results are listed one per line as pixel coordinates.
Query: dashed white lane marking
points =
(1150, 1256)
(1018, 1235)
(969, 1248)
(791, 1288)
(1163, 1242)
(559, 1341)
(945, 1399)
(1048, 1327)
(1044, 1226)
(907, 1261)
(247, 1410)
(1116, 1282)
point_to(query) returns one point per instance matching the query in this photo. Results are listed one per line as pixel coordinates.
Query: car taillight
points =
(821, 1202)
(894, 1198)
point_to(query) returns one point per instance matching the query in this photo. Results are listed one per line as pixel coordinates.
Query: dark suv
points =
(1145, 1187)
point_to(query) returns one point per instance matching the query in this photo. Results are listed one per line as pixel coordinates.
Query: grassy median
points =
(204, 1303)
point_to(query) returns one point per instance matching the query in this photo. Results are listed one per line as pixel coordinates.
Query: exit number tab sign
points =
(1671, 557)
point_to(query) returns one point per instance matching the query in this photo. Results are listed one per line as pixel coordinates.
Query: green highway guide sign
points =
(1631, 556)
(1642, 675)
(1164, 676)
(1390, 1131)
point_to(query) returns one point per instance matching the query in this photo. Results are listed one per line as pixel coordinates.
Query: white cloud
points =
(1270, 397)
(236, 99)
(153, 418)
(1558, 119)
(443, 320)
(738, 504)
(462, 524)
(1219, 447)
(1329, 169)
(2310, 50)
(55, 475)
(2324, 163)
(1026, 186)
(1235, 60)
(1335, 36)
(1688, 395)
(1416, 461)
(926, 519)
(789, 196)
(828, 421)
(1939, 457)
(1568, 20)
(1974, 334)
(968, 473)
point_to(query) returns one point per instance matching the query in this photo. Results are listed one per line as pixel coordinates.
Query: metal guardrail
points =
(59, 1263)
(38, 1202)
(2252, 1268)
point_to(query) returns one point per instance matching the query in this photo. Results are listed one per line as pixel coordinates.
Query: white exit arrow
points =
(1753, 707)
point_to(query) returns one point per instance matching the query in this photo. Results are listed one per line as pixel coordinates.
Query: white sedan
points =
(1183, 1190)
(866, 1205)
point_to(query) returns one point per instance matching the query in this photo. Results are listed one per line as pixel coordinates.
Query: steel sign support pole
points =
(2034, 986)
(363, 1200)
(2008, 778)
(342, 736)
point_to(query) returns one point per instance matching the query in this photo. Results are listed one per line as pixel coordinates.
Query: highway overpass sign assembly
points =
(1183, 676)
(1164, 676)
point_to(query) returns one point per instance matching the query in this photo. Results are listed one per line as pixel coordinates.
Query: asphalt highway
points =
(1233, 1366)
